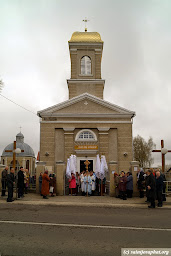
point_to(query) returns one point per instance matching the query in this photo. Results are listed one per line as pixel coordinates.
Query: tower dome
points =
(87, 37)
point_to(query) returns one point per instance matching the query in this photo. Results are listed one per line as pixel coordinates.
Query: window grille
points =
(86, 135)
(85, 65)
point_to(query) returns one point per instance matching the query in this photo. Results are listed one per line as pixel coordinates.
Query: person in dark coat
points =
(141, 182)
(151, 188)
(129, 185)
(21, 183)
(10, 185)
(164, 186)
(159, 188)
(45, 185)
(52, 184)
(4, 180)
(122, 186)
(146, 182)
(40, 183)
(116, 183)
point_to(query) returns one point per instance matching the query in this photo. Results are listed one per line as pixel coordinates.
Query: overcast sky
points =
(136, 62)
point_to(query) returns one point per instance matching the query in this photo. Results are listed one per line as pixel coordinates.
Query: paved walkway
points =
(94, 201)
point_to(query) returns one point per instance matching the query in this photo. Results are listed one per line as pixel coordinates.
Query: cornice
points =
(86, 122)
(91, 80)
(90, 115)
(86, 44)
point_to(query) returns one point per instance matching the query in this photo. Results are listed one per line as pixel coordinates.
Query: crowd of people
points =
(123, 185)
(152, 184)
(47, 184)
(149, 183)
(9, 179)
(86, 183)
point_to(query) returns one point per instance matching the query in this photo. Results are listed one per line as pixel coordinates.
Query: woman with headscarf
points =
(72, 184)
(129, 185)
(45, 185)
(122, 185)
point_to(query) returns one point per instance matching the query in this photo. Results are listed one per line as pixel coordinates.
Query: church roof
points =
(88, 37)
(85, 96)
(28, 151)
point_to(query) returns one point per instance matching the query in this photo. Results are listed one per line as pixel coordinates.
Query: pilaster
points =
(68, 141)
(60, 177)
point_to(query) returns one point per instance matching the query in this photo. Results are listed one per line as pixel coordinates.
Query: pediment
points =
(85, 104)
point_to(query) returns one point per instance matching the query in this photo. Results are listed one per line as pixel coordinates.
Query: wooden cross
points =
(14, 154)
(163, 155)
(86, 20)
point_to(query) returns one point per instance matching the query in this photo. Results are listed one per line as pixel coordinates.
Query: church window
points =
(85, 65)
(86, 135)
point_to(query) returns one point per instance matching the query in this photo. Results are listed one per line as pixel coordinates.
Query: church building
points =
(86, 125)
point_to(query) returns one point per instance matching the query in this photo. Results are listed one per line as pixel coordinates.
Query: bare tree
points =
(143, 150)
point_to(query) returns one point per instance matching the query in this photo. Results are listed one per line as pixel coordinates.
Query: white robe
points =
(82, 183)
(93, 182)
(88, 185)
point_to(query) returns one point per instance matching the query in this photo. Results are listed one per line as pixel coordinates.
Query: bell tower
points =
(86, 54)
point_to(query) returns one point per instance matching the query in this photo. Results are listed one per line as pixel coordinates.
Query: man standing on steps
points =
(159, 188)
(140, 182)
(151, 188)
(4, 180)
(10, 185)
(21, 183)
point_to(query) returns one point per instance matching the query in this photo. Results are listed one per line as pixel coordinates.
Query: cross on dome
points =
(86, 20)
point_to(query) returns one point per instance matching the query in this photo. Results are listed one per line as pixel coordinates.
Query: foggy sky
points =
(136, 62)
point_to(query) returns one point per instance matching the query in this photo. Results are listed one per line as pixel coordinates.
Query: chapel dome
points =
(88, 37)
(28, 151)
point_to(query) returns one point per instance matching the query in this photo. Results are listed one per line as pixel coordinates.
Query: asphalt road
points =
(54, 230)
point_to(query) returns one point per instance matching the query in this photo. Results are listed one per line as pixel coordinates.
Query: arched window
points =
(86, 135)
(85, 65)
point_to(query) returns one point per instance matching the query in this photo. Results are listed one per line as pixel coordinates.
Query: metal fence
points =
(168, 187)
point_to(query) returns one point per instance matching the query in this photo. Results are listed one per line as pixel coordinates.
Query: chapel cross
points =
(163, 154)
(14, 153)
(86, 20)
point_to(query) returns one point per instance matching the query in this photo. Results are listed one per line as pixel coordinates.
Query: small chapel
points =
(26, 158)
(86, 124)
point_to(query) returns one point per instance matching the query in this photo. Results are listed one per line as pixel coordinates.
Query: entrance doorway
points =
(83, 167)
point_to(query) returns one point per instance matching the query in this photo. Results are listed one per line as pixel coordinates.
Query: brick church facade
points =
(85, 125)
